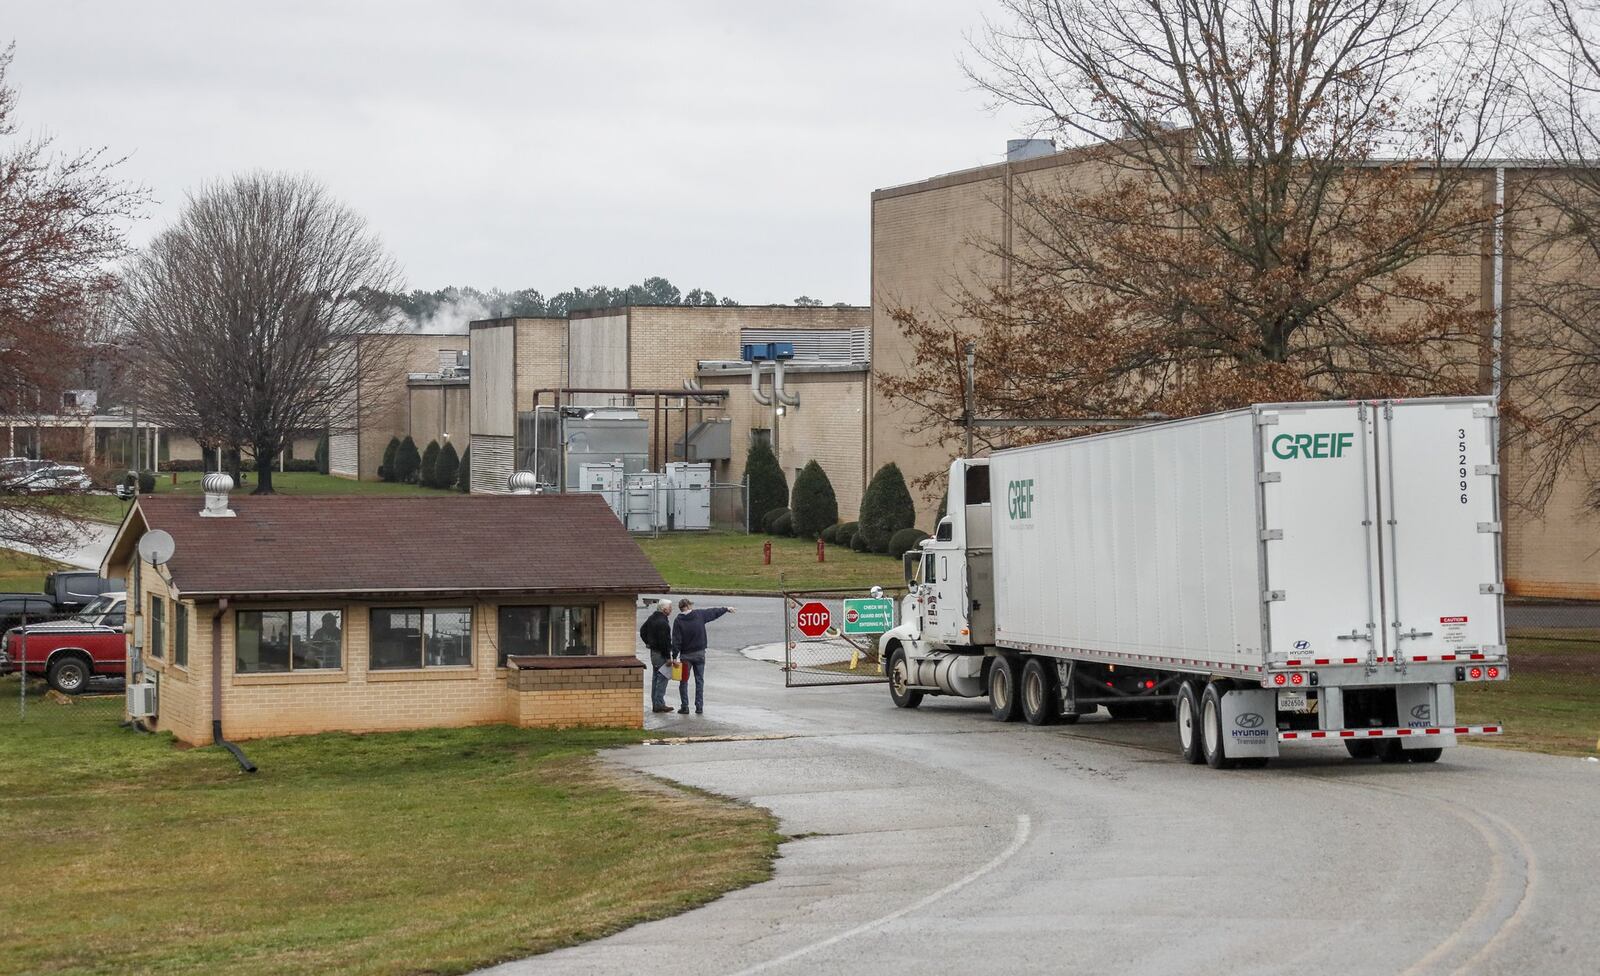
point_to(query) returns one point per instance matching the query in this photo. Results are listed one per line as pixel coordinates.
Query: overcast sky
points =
(725, 145)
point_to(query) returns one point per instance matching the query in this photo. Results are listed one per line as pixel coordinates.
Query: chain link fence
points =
(819, 647)
(1552, 701)
(648, 505)
(58, 668)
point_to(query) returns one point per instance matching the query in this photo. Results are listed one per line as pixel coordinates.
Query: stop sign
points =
(813, 619)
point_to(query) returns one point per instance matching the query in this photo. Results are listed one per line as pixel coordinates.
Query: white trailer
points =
(1283, 573)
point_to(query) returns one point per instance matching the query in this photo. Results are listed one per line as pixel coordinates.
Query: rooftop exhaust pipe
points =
(755, 386)
(216, 486)
(523, 483)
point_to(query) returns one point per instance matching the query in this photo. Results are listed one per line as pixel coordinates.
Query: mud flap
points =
(1250, 723)
(1425, 706)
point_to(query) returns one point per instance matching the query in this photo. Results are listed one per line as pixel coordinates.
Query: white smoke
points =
(450, 318)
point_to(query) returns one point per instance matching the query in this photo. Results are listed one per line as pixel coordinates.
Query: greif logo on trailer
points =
(1019, 499)
(1290, 447)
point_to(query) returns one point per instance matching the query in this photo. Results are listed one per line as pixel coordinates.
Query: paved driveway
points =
(937, 841)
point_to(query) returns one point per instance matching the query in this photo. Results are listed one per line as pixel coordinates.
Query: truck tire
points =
(1188, 723)
(1391, 751)
(1424, 755)
(900, 681)
(1211, 729)
(1361, 748)
(1003, 701)
(68, 675)
(1039, 704)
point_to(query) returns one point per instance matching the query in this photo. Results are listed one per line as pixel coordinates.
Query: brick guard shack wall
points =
(559, 692)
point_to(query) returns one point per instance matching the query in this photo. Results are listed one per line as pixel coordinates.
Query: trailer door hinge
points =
(1486, 469)
(1273, 596)
(1266, 420)
(1481, 412)
(1269, 477)
(1487, 588)
(1488, 526)
(1271, 535)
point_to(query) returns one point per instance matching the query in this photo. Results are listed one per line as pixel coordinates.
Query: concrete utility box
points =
(689, 489)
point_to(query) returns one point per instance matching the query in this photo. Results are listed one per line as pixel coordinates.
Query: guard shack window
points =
(421, 637)
(547, 630)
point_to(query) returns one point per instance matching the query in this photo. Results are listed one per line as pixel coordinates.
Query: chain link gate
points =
(816, 650)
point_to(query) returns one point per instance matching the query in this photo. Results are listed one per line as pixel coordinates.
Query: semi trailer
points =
(1284, 573)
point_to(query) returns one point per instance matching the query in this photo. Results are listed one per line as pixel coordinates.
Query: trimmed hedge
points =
(768, 488)
(464, 477)
(430, 461)
(814, 503)
(858, 542)
(387, 470)
(769, 521)
(830, 534)
(446, 467)
(783, 524)
(904, 541)
(886, 508)
(407, 462)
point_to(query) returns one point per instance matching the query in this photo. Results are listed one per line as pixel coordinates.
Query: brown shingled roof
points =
(396, 544)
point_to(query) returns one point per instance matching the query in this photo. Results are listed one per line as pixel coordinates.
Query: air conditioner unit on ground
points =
(142, 700)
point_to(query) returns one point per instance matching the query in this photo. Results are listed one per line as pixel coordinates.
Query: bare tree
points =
(1253, 188)
(1553, 376)
(61, 227)
(245, 314)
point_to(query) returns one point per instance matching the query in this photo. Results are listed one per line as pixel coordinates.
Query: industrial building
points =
(927, 240)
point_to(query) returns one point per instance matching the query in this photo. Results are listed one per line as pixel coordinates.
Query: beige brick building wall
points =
(354, 698)
(439, 412)
(383, 403)
(928, 241)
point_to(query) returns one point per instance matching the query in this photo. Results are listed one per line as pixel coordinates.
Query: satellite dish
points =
(156, 547)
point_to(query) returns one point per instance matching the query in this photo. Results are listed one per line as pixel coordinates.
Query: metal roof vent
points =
(216, 486)
(1020, 149)
(522, 482)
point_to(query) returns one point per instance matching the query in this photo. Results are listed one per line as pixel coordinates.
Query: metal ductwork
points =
(778, 392)
(755, 385)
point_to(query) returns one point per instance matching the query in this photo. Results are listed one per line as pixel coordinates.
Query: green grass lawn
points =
(731, 561)
(22, 573)
(109, 508)
(432, 852)
(1552, 702)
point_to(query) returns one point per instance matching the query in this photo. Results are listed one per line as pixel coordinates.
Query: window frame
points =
(156, 647)
(316, 612)
(180, 634)
(549, 629)
(422, 644)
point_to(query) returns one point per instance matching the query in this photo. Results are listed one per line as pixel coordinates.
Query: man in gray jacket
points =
(689, 642)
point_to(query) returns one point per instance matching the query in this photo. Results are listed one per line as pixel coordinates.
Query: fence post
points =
(820, 558)
(22, 673)
(766, 553)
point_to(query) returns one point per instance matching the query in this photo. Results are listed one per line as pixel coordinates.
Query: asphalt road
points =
(936, 841)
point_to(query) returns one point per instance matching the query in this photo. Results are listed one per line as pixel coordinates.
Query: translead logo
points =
(1288, 447)
(1019, 499)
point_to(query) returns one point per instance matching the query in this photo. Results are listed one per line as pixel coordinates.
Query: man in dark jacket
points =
(656, 633)
(689, 642)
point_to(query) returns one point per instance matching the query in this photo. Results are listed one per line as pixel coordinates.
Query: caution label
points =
(1453, 630)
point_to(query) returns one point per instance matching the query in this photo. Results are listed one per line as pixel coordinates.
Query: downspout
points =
(216, 689)
(1497, 336)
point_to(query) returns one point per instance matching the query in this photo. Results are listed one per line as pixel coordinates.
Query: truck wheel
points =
(1189, 725)
(900, 682)
(1003, 704)
(1361, 748)
(1211, 729)
(1038, 696)
(1391, 751)
(1424, 755)
(68, 675)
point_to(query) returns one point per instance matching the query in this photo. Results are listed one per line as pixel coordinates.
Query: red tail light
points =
(1297, 678)
(1279, 679)
(1494, 672)
(1476, 673)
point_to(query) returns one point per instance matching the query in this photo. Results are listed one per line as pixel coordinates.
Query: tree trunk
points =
(264, 458)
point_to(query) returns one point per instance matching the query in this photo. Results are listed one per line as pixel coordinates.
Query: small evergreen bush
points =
(886, 508)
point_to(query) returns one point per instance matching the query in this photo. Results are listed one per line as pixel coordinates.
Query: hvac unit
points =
(645, 503)
(689, 487)
(604, 480)
(141, 699)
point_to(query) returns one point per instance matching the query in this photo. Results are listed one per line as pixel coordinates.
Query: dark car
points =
(36, 606)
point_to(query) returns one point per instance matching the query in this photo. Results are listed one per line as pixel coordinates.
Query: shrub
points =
(321, 458)
(147, 482)
(407, 461)
(300, 464)
(764, 479)
(184, 464)
(783, 524)
(430, 461)
(447, 467)
(391, 454)
(814, 505)
(904, 541)
(886, 508)
(769, 521)
(830, 534)
(464, 478)
(858, 542)
(846, 532)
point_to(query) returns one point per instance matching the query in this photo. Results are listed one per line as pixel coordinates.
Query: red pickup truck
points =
(69, 652)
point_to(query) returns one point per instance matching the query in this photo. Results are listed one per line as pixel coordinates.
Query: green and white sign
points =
(868, 616)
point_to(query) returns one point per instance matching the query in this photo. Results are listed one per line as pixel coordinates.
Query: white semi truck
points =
(1292, 572)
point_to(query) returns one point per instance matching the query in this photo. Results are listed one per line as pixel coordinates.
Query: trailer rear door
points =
(1440, 494)
(1319, 539)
